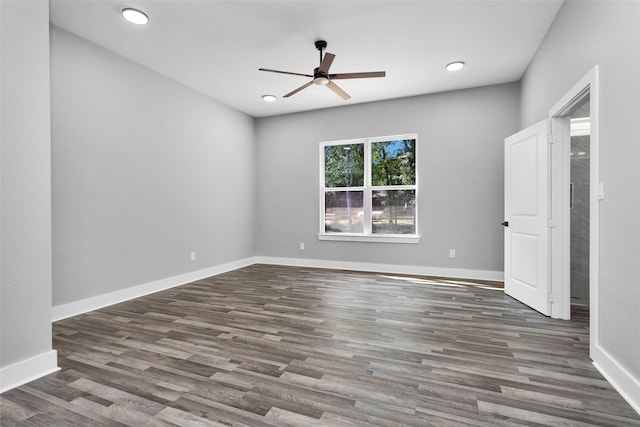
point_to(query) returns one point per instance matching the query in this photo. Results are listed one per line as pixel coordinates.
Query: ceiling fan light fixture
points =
(269, 98)
(135, 16)
(321, 80)
(455, 66)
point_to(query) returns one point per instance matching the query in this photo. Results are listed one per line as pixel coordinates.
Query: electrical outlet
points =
(302, 246)
(193, 256)
(452, 253)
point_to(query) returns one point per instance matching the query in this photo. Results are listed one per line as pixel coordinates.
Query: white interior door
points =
(526, 231)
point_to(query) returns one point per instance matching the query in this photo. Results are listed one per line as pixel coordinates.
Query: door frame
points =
(560, 167)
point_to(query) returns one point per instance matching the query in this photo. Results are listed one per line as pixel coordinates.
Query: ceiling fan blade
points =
(357, 75)
(334, 87)
(326, 63)
(293, 92)
(285, 72)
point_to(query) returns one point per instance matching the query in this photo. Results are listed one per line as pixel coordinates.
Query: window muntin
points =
(368, 188)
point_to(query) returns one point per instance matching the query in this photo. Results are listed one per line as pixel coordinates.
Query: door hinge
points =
(552, 223)
(551, 298)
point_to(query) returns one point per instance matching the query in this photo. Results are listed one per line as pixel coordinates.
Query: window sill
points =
(389, 238)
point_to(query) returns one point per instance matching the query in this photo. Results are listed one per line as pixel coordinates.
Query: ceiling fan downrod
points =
(321, 45)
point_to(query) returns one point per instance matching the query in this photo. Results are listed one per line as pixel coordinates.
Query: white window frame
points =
(367, 189)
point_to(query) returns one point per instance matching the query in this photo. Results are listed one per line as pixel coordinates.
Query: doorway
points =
(571, 111)
(579, 206)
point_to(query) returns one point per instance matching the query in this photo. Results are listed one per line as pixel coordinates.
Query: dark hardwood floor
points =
(277, 346)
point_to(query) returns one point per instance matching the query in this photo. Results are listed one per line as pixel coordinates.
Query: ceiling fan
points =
(321, 74)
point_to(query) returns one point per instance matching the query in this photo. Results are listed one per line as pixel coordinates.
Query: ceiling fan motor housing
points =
(320, 78)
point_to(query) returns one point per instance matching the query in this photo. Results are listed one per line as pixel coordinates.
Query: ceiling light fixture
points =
(269, 98)
(321, 80)
(455, 66)
(135, 16)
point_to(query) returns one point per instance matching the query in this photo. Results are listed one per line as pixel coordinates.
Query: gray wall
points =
(460, 157)
(606, 33)
(25, 182)
(144, 171)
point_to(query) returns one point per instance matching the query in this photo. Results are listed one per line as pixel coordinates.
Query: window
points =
(368, 189)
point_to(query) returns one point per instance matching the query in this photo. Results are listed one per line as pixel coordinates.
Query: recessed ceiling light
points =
(135, 16)
(269, 98)
(455, 66)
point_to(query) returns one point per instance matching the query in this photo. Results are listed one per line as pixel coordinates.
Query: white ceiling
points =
(216, 47)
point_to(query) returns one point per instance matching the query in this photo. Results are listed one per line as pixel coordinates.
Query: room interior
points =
(139, 158)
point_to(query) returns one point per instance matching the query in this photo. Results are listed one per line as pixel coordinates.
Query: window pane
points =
(394, 212)
(343, 211)
(393, 162)
(344, 165)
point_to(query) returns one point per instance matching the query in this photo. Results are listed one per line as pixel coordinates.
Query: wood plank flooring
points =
(283, 346)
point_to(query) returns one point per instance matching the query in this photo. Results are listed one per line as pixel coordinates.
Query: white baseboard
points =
(75, 308)
(621, 379)
(20, 373)
(459, 273)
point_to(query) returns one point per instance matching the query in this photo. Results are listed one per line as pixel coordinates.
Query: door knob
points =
(505, 223)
